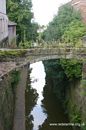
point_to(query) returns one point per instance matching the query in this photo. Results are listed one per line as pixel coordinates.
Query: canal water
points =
(43, 110)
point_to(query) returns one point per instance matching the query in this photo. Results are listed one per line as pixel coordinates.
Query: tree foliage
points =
(72, 68)
(66, 26)
(20, 12)
(74, 32)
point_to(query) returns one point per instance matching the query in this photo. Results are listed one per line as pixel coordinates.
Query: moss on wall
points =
(7, 99)
(12, 53)
(76, 103)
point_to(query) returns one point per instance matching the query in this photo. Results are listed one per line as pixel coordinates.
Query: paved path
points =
(19, 117)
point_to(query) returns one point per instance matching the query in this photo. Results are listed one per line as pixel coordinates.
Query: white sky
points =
(44, 10)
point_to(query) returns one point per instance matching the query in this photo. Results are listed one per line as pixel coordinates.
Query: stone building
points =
(12, 34)
(3, 24)
(7, 28)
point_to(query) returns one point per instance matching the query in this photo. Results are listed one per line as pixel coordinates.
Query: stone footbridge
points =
(37, 54)
(55, 53)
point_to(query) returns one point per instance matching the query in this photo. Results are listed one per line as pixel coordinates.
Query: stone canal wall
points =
(77, 99)
(12, 101)
(71, 93)
(19, 114)
(76, 96)
(7, 99)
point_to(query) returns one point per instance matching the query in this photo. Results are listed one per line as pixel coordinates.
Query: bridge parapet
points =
(68, 53)
(60, 52)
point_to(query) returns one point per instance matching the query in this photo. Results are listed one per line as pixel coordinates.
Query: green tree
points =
(20, 12)
(74, 32)
(61, 22)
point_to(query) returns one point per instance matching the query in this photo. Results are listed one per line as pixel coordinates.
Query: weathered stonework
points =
(83, 90)
(77, 102)
(37, 54)
(3, 23)
(19, 115)
(12, 101)
(77, 97)
(6, 103)
(4, 43)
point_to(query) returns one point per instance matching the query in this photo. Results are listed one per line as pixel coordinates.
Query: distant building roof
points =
(10, 23)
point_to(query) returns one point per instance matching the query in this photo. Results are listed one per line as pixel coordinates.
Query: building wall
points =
(3, 21)
(12, 36)
(3, 6)
(80, 5)
(3, 26)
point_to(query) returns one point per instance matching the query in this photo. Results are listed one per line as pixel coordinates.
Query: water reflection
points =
(38, 75)
(55, 113)
(42, 107)
(31, 97)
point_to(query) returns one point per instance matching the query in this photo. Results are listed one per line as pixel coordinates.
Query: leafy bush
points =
(74, 32)
(72, 68)
(25, 45)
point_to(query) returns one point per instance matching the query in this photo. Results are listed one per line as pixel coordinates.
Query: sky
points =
(45, 10)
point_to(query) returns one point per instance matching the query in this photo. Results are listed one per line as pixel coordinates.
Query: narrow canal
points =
(43, 110)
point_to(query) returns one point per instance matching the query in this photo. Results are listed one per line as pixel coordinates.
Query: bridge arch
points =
(42, 58)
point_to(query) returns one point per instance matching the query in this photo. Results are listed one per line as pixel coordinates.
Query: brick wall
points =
(80, 5)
